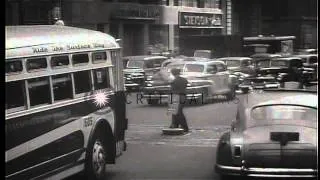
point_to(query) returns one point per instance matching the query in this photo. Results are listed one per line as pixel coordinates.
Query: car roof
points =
(211, 61)
(144, 57)
(20, 40)
(286, 58)
(289, 97)
(264, 55)
(233, 58)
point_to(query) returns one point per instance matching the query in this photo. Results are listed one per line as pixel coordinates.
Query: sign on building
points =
(192, 19)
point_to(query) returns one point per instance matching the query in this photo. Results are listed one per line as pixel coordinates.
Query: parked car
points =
(138, 67)
(207, 78)
(274, 135)
(310, 61)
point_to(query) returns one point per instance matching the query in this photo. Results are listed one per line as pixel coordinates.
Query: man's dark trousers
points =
(180, 119)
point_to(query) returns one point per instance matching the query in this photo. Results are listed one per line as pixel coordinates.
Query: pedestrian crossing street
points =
(152, 135)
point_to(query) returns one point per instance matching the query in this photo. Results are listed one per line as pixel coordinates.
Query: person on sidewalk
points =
(178, 89)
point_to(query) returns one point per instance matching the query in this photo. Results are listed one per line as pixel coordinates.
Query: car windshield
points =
(233, 63)
(263, 63)
(279, 63)
(135, 64)
(194, 68)
(283, 113)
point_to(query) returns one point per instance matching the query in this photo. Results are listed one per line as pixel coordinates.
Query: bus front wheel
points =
(96, 158)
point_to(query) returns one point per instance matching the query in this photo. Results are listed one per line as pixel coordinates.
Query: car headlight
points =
(149, 78)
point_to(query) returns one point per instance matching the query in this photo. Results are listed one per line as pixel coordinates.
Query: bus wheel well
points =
(103, 127)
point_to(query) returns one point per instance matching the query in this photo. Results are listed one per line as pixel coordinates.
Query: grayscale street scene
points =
(161, 89)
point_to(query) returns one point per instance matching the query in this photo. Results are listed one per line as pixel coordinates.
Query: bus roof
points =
(35, 40)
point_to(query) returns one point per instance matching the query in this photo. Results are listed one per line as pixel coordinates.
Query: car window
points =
(211, 69)
(284, 112)
(135, 64)
(296, 63)
(194, 68)
(233, 63)
(245, 63)
(263, 63)
(221, 68)
(279, 63)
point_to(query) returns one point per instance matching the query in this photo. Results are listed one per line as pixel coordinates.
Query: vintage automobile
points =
(207, 78)
(274, 134)
(310, 61)
(262, 60)
(138, 67)
(281, 70)
(238, 64)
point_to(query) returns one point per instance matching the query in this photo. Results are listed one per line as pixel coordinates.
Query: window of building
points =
(15, 94)
(212, 4)
(59, 61)
(14, 66)
(101, 78)
(80, 59)
(158, 39)
(62, 87)
(82, 82)
(188, 3)
(98, 57)
(39, 91)
(36, 64)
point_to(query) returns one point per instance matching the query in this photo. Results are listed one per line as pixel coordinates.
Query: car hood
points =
(133, 70)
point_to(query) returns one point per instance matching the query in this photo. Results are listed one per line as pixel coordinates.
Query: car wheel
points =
(96, 157)
(152, 101)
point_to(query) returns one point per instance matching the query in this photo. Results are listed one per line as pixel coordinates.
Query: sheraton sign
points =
(190, 19)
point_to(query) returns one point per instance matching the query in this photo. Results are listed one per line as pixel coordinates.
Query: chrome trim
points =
(268, 172)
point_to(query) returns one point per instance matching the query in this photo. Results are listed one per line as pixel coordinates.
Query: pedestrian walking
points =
(178, 89)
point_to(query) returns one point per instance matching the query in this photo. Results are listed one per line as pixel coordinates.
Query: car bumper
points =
(266, 172)
(154, 93)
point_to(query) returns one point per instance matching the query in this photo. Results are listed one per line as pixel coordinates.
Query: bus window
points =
(15, 94)
(101, 78)
(80, 59)
(39, 91)
(14, 66)
(36, 64)
(82, 82)
(98, 57)
(62, 87)
(59, 61)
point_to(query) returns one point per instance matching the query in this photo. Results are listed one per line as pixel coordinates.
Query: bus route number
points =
(88, 121)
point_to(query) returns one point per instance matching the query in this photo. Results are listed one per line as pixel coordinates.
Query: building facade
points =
(279, 18)
(144, 27)
(154, 26)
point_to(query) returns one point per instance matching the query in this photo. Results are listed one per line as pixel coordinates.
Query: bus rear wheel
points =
(96, 158)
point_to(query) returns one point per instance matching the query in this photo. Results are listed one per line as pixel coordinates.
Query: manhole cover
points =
(172, 131)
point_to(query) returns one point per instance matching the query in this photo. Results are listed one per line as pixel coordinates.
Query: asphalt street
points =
(152, 155)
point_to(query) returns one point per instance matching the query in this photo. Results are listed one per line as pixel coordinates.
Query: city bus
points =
(65, 109)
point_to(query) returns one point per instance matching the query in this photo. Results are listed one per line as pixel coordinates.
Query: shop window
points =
(36, 64)
(62, 87)
(15, 94)
(39, 91)
(101, 78)
(82, 82)
(59, 61)
(98, 57)
(14, 66)
(80, 59)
